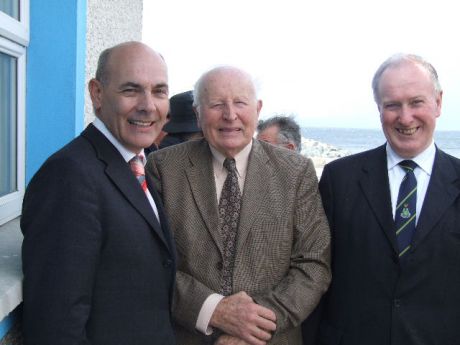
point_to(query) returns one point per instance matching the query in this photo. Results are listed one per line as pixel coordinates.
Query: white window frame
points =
(14, 39)
(14, 30)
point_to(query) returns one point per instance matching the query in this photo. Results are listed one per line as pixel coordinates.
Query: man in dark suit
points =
(252, 237)
(396, 252)
(98, 258)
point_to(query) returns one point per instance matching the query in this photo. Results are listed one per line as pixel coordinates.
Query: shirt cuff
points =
(205, 314)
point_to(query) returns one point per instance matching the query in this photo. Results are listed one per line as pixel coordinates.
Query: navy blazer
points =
(374, 297)
(98, 267)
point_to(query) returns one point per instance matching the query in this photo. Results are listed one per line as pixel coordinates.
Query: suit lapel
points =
(442, 191)
(256, 186)
(375, 186)
(200, 176)
(119, 173)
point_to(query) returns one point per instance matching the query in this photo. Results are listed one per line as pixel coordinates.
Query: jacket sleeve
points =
(308, 277)
(62, 238)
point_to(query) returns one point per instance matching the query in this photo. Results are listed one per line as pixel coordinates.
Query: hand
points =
(229, 340)
(238, 315)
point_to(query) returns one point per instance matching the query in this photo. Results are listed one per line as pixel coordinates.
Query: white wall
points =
(108, 22)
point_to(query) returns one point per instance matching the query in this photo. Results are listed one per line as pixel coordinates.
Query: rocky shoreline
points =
(321, 153)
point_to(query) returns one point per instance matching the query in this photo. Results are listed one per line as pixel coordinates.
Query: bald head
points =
(105, 62)
(130, 94)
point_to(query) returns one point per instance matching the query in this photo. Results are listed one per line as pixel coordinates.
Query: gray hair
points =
(201, 82)
(288, 129)
(398, 59)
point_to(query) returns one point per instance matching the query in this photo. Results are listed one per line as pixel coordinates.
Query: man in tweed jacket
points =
(281, 265)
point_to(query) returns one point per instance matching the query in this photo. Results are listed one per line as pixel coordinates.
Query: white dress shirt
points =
(127, 156)
(422, 172)
(220, 174)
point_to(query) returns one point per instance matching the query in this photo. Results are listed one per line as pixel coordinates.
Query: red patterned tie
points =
(137, 166)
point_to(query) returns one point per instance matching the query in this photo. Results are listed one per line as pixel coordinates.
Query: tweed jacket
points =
(283, 241)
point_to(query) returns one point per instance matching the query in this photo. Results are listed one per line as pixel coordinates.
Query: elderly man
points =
(281, 131)
(394, 213)
(252, 238)
(98, 258)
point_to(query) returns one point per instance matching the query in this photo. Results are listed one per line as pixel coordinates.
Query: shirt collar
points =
(127, 154)
(241, 158)
(424, 160)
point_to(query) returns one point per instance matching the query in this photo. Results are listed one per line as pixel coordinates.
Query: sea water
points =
(358, 140)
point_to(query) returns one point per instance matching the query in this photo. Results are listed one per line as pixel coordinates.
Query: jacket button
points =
(219, 265)
(167, 263)
(397, 303)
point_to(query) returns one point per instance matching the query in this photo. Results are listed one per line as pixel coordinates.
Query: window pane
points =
(8, 126)
(10, 7)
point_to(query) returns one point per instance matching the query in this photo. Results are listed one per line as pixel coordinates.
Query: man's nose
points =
(229, 112)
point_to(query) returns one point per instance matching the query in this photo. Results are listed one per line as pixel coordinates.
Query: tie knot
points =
(408, 165)
(137, 165)
(230, 165)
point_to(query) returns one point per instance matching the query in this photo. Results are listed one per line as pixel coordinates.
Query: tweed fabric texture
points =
(283, 250)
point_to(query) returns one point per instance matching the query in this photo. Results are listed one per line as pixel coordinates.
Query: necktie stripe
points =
(405, 224)
(404, 251)
(407, 197)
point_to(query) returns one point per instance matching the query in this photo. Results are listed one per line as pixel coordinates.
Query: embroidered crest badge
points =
(405, 213)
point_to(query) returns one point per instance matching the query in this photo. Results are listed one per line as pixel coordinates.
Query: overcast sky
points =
(314, 59)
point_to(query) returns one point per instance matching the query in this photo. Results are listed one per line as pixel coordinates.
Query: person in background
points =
(252, 238)
(183, 124)
(394, 213)
(281, 131)
(98, 257)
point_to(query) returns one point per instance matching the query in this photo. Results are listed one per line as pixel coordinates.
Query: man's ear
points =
(259, 107)
(95, 91)
(290, 146)
(197, 113)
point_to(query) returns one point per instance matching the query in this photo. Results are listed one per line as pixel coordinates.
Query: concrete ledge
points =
(10, 267)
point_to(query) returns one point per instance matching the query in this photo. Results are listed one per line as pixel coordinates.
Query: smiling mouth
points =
(229, 130)
(140, 123)
(407, 131)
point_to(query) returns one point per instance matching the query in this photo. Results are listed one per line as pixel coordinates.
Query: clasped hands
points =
(243, 321)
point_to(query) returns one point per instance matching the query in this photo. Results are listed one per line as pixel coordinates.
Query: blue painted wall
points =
(55, 78)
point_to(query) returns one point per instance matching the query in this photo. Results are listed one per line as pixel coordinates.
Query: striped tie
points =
(137, 167)
(405, 213)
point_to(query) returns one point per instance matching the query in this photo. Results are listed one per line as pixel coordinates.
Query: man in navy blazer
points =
(379, 293)
(98, 258)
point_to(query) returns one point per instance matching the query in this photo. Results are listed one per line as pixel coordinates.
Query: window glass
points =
(10, 7)
(8, 124)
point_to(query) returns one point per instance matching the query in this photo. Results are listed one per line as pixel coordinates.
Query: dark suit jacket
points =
(374, 297)
(98, 267)
(283, 251)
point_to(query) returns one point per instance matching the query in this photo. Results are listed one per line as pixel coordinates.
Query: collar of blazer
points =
(119, 173)
(443, 190)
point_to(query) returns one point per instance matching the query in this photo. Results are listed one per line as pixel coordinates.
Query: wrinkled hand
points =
(238, 315)
(229, 340)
